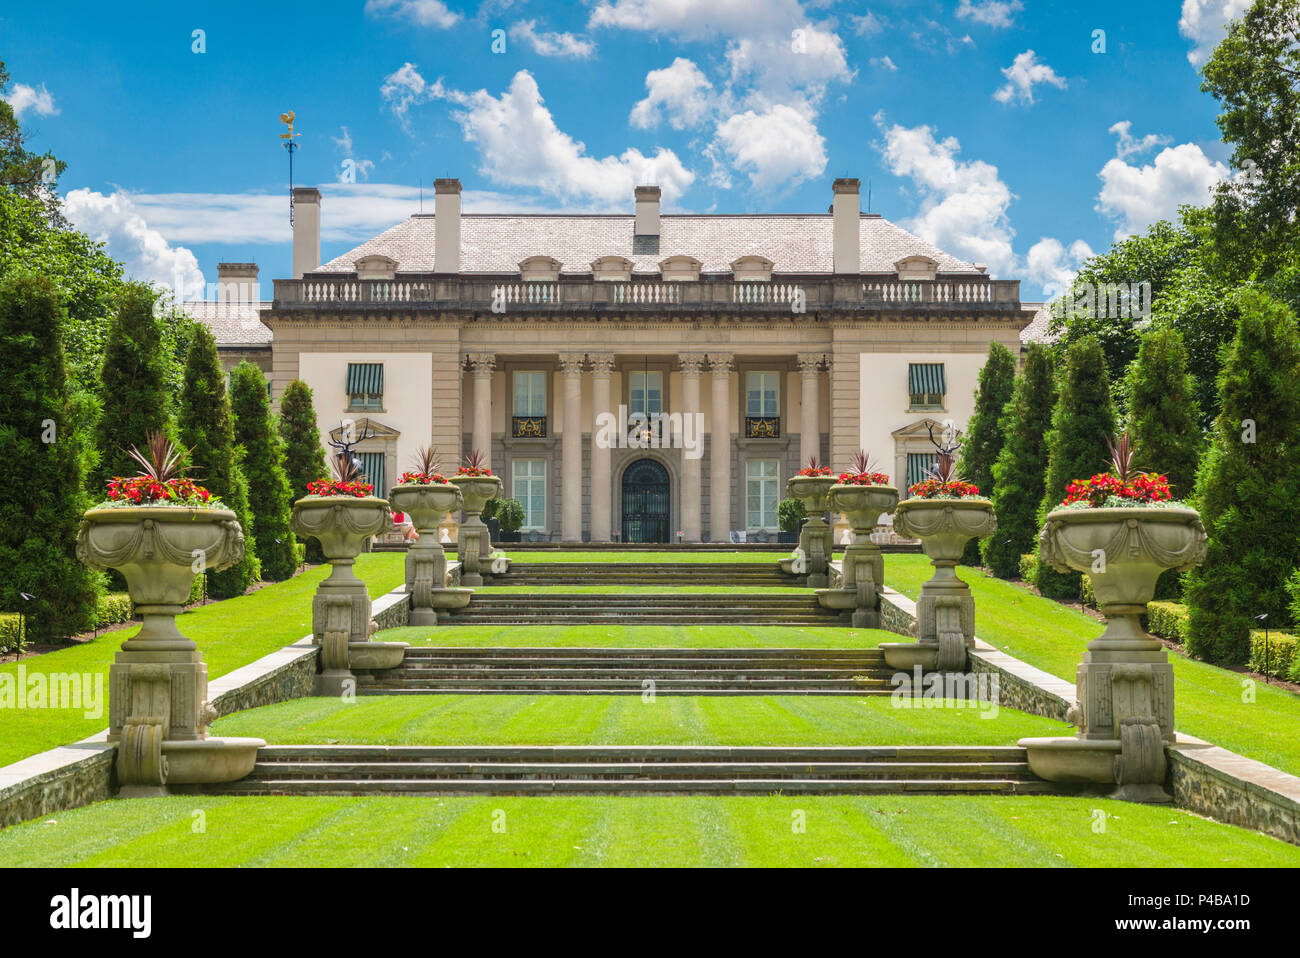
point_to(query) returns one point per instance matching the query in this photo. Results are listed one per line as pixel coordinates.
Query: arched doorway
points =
(645, 502)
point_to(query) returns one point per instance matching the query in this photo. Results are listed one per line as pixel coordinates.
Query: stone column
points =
(571, 449)
(602, 367)
(692, 513)
(809, 413)
(481, 438)
(720, 450)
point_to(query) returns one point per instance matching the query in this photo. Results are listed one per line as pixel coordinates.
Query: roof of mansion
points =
(232, 323)
(493, 243)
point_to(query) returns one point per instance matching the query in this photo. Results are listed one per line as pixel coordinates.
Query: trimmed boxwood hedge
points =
(1029, 571)
(1280, 660)
(11, 632)
(113, 608)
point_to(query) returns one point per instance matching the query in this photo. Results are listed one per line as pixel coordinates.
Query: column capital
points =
(602, 364)
(481, 363)
(691, 363)
(571, 363)
(721, 363)
(810, 363)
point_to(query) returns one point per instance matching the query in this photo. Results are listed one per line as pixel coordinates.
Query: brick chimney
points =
(306, 230)
(446, 225)
(237, 283)
(845, 217)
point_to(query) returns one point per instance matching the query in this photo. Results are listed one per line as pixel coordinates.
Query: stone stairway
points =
(765, 574)
(667, 608)
(606, 671)
(652, 769)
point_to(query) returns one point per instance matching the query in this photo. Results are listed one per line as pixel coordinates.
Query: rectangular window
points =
(926, 385)
(530, 394)
(372, 464)
(528, 485)
(365, 385)
(645, 393)
(919, 465)
(762, 392)
(762, 491)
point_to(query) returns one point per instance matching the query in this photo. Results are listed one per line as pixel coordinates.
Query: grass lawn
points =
(642, 636)
(635, 831)
(1208, 700)
(643, 589)
(626, 720)
(229, 634)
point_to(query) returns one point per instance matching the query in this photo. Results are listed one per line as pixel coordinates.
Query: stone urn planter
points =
(815, 536)
(340, 620)
(158, 682)
(945, 609)
(473, 542)
(426, 562)
(863, 567)
(1125, 685)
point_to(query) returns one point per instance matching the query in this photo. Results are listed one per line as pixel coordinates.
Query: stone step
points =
(783, 621)
(564, 680)
(610, 671)
(642, 754)
(658, 652)
(487, 687)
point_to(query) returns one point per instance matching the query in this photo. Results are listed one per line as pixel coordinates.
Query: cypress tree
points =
(1163, 418)
(1021, 465)
(984, 436)
(1082, 421)
(133, 393)
(304, 456)
(41, 496)
(207, 427)
(268, 489)
(1247, 487)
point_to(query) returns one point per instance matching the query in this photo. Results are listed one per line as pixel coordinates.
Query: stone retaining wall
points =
(1231, 788)
(62, 778)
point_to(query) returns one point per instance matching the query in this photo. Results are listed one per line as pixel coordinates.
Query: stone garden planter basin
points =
(426, 504)
(477, 490)
(811, 491)
(1072, 760)
(343, 524)
(155, 547)
(211, 760)
(1138, 544)
(862, 505)
(452, 598)
(944, 526)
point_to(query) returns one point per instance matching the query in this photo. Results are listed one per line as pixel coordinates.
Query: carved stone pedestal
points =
(815, 537)
(863, 566)
(473, 542)
(426, 562)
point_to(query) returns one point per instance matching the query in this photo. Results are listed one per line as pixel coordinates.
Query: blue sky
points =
(990, 127)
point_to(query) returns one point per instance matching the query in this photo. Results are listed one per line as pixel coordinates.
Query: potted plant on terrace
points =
(427, 495)
(810, 485)
(944, 513)
(343, 515)
(510, 515)
(474, 543)
(789, 517)
(1122, 529)
(862, 493)
(159, 529)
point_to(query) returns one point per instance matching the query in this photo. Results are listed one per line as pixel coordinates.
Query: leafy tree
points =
(1248, 485)
(133, 395)
(41, 497)
(984, 436)
(1019, 471)
(207, 427)
(304, 456)
(1162, 411)
(28, 174)
(1084, 418)
(268, 488)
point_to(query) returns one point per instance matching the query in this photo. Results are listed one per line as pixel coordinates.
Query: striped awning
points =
(926, 379)
(365, 379)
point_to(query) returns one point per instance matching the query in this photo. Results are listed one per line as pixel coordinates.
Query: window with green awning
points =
(365, 385)
(926, 385)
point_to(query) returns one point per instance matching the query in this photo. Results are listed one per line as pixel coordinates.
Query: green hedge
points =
(113, 608)
(1029, 573)
(11, 632)
(1280, 659)
(1167, 620)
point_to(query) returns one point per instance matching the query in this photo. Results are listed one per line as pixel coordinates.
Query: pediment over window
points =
(920, 430)
(360, 427)
(752, 269)
(376, 267)
(680, 268)
(916, 268)
(617, 268)
(539, 269)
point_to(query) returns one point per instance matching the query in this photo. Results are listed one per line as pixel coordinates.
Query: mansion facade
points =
(638, 378)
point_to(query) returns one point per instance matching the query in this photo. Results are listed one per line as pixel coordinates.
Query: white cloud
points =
(884, 63)
(993, 13)
(1053, 267)
(359, 167)
(1025, 72)
(405, 88)
(679, 93)
(520, 145)
(424, 13)
(1135, 197)
(551, 44)
(789, 66)
(699, 19)
(146, 255)
(867, 26)
(1127, 145)
(780, 146)
(1203, 22)
(26, 97)
(963, 202)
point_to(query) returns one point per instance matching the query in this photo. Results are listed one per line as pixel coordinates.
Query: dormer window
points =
(612, 269)
(752, 269)
(539, 269)
(916, 268)
(376, 267)
(680, 269)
